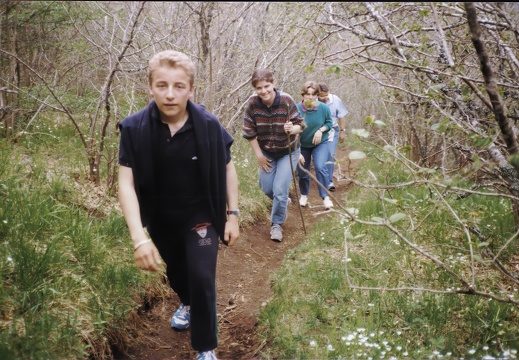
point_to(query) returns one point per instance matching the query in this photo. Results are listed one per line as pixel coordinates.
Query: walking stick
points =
(293, 172)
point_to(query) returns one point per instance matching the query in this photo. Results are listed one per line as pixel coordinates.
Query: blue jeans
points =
(320, 155)
(333, 151)
(276, 184)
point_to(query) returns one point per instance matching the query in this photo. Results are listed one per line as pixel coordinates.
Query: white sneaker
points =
(331, 187)
(181, 318)
(206, 355)
(303, 200)
(276, 232)
(328, 204)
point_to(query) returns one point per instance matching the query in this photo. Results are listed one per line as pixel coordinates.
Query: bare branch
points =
(441, 34)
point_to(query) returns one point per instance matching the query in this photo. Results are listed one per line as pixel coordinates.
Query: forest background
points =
(428, 234)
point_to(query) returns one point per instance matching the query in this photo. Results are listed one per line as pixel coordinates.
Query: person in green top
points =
(314, 142)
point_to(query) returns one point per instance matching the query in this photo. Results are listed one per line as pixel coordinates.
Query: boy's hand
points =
(288, 127)
(147, 257)
(232, 230)
(342, 136)
(264, 163)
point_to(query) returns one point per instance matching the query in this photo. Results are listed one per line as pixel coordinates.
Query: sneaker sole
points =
(179, 328)
(328, 207)
(276, 239)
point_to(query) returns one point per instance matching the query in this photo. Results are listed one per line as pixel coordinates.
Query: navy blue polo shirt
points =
(143, 136)
(179, 182)
(179, 186)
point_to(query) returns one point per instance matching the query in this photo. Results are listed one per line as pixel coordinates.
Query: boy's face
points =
(265, 91)
(323, 96)
(171, 89)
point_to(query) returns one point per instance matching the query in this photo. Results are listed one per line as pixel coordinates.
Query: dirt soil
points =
(243, 283)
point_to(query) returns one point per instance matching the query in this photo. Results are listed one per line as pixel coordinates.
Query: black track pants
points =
(190, 251)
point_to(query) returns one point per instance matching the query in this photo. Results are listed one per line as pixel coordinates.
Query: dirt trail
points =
(243, 283)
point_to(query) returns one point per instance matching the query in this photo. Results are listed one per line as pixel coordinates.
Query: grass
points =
(68, 277)
(332, 298)
(254, 203)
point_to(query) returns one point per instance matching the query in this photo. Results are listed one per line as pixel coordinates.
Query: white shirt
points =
(337, 108)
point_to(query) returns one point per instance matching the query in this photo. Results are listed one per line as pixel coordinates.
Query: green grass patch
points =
(68, 277)
(358, 290)
(254, 204)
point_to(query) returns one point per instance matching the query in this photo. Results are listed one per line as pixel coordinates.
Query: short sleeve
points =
(124, 147)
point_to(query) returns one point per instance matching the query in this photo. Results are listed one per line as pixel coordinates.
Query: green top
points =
(315, 119)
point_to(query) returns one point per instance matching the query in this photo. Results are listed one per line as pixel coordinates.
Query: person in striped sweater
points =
(272, 125)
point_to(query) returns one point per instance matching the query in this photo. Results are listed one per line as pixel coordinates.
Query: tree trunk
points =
(490, 82)
(509, 172)
(9, 96)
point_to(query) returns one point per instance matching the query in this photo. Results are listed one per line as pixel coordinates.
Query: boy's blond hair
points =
(173, 59)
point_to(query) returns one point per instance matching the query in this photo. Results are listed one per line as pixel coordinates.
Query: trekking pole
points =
(293, 172)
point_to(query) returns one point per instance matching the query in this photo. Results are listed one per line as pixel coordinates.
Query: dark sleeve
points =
(124, 147)
(228, 141)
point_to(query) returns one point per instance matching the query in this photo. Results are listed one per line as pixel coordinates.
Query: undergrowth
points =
(354, 290)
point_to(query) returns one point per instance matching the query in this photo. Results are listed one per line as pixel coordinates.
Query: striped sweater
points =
(266, 123)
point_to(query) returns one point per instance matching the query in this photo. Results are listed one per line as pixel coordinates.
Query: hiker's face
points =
(311, 94)
(323, 96)
(171, 90)
(265, 91)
